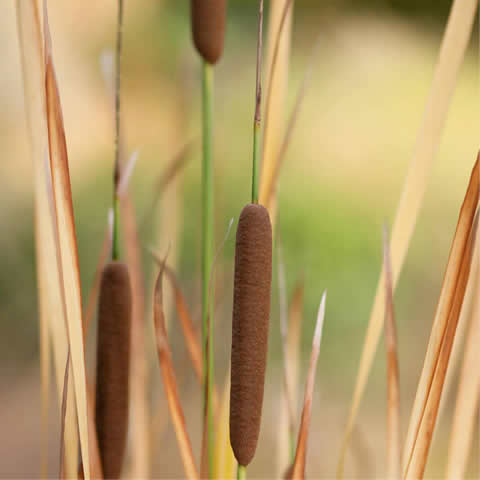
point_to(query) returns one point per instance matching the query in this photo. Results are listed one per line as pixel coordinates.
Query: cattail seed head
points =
(251, 311)
(208, 27)
(113, 360)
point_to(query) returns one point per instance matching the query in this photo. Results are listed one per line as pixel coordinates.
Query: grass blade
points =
(290, 327)
(279, 38)
(139, 368)
(190, 334)
(170, 383)
(67, 242)
(425, 408)
(224, 461)
(271, 187)
(452, 52)
(468, 395)
(298, 469)
(393, 379)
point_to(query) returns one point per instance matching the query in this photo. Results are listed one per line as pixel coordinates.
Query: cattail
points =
(251, 311)
(113, 360)
(208, 27)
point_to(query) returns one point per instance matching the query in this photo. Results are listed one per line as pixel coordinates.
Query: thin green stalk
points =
(292, 442)
(241, 472)
(207, 250)
(258, 105)
(256, 156)
(116, 166)
(115, 233)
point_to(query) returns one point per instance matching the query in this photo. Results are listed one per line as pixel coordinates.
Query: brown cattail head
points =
(251, 311)
(113, 360)
(208, 27)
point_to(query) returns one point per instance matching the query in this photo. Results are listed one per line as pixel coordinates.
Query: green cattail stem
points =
(116, 166)
(256, 156)
(241, 472)
(207, 249)
(258, 109)
(115, 233)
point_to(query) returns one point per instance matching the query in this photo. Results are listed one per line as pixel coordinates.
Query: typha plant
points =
(208, 18)
(251, 306)
(114, 326)
(94, 419)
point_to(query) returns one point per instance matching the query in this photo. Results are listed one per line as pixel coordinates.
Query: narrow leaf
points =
(425, 408)
(68, 255)
(279, 39)
(468, 396)
(393, 380)
(298, 469)
(224, 465)
(452, 52)
(170, 383)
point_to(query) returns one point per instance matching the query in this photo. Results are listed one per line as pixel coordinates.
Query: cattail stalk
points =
(113, 361)
(207, 250)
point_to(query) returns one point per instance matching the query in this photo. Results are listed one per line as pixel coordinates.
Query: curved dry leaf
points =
(468, 395)
(425, 408)
(393, 380)
(279, 38)
(298, 468)
(68, 255)
(452, 52)
(170, 383)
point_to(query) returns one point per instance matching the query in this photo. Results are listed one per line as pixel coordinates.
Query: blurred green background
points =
(340, 184)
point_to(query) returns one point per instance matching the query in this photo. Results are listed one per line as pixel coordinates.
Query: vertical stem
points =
(256, 156)
(241, 472)
(207, 249)
(258, 104)
(116, 166)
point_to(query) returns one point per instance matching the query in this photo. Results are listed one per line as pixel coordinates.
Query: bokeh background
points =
(341, 182)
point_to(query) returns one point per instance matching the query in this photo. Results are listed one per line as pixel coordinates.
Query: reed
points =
(208, 18)
(113, 362)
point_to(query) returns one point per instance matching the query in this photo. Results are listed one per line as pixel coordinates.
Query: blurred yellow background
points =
(340, 183)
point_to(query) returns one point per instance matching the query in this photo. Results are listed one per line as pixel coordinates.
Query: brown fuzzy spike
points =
(113, 360)
(251, 311)
(208, 27)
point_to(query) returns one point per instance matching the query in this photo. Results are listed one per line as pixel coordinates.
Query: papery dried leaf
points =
(170, 383)
(298, 469)
(393, 380)
(452, 52)
(468, 396)
(66, 236)
(279, 39)
(425, 408)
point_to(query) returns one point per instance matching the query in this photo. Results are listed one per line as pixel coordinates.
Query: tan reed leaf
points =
(452, 52)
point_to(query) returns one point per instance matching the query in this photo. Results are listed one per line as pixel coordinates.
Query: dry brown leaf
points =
(139, 368)
(190, 334)
(425, 408)
(393, 379)
(452, 52)
(468, 395)
(298, 469)
(272, 186)
(68, 255)
(279, 38)
(170, 383)
(224, 463)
